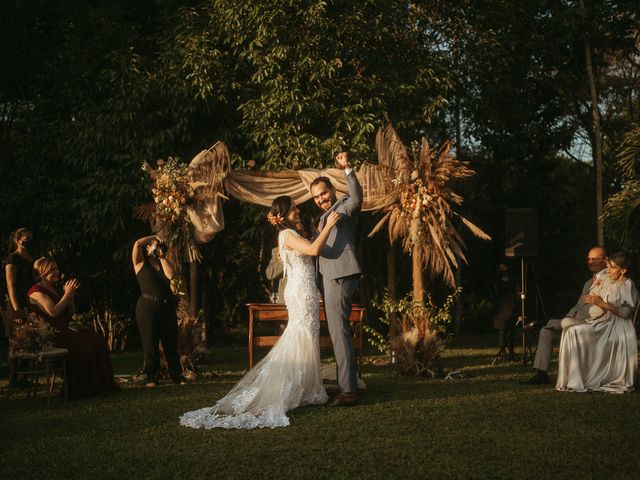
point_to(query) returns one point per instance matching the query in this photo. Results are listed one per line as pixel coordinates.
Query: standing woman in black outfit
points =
(19, 269)
(155, 311)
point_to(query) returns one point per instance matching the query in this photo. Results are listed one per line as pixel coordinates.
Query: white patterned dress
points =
(290, 375)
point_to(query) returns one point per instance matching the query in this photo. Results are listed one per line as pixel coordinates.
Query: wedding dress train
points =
(290, 375)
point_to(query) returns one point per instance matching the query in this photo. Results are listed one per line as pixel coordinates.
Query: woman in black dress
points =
(156, 308)
(89, 370)
(19, 269)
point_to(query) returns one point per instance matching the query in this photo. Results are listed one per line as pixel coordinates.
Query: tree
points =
(622, 210)
(299, 97)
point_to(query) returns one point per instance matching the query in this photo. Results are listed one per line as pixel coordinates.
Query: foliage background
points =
(92, 89)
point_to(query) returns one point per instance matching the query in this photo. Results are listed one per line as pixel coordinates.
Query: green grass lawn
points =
(482, 425)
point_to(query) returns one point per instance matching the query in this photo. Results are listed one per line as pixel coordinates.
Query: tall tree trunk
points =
(597, 135)
(391, 284)
(457, 302)
(418, 278)
(206, 300)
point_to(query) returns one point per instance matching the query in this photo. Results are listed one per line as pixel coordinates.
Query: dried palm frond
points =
(145, 212)
(420, 200)
(417, 333)
(392, 153)
(380, 224)
(208, 171)
(191, 348)
(393, 162)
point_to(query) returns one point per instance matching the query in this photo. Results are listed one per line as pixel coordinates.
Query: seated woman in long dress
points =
(290, 375)
(89, 370)
(602, 355)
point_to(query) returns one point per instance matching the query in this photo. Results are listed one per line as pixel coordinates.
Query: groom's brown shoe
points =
(343, 400)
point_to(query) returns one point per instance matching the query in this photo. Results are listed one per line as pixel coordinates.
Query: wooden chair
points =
(26, 368)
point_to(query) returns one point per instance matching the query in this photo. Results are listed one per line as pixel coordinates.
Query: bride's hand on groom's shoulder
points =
(332, 219)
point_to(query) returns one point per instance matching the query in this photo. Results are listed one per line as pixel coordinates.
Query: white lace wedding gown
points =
(290, 375)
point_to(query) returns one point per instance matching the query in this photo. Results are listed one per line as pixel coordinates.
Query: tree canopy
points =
(91, 90)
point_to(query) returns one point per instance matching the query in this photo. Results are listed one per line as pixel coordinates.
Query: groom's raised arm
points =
(353, 201)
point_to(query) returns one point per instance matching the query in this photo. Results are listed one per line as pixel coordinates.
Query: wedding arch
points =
(413, 190)
(211, 180)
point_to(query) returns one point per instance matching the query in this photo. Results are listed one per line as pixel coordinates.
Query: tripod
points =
(501, 355)
(527, 352)
(507, 299)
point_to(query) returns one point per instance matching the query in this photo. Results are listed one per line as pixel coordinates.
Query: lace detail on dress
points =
(301, 292)
(290, 375)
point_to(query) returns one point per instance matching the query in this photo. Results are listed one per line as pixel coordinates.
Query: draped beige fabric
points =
(262, 187)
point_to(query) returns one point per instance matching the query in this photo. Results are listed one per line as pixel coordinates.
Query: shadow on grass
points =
(477, 426)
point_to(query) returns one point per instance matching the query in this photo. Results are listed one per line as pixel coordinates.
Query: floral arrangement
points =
(415, 197)
(182, 192)
(275, 220)
(172, 195)
(171, 191)
(417, 333)
(32, 334)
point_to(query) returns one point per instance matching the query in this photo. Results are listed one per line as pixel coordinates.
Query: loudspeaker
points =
(521, 238)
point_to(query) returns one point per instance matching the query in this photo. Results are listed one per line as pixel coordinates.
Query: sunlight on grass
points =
(478, 425)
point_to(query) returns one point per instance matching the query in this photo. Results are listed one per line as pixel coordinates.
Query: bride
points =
(290, 375)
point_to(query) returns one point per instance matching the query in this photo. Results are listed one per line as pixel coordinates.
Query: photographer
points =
(156, 308)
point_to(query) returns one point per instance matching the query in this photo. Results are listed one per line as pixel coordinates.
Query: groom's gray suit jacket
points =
(338, 265)
(338, 257)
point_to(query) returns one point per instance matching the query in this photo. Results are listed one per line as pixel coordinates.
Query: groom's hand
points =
(342, 159)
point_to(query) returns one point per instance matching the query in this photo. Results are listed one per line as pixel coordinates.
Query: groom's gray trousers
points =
(337, 306)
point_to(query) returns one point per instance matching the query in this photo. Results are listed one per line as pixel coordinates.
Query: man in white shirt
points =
(580, 313)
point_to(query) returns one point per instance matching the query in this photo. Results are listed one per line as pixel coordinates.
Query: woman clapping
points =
(89, 370)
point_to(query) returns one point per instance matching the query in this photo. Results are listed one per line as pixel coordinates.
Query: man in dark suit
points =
(338, 266)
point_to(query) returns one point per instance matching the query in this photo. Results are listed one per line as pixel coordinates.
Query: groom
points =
(340, 272)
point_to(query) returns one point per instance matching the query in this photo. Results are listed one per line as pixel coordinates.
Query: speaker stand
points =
(527, 352)
(501, 355)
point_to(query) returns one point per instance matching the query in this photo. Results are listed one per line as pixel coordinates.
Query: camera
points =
(158, 249)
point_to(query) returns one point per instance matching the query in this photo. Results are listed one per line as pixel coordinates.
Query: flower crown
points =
(275, 220)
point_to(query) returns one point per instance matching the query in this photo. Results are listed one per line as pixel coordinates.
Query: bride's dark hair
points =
(277, 215)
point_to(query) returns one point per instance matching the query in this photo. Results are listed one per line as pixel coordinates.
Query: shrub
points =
(417, 333)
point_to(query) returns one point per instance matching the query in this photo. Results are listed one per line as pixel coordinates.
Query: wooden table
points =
(277, 312)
